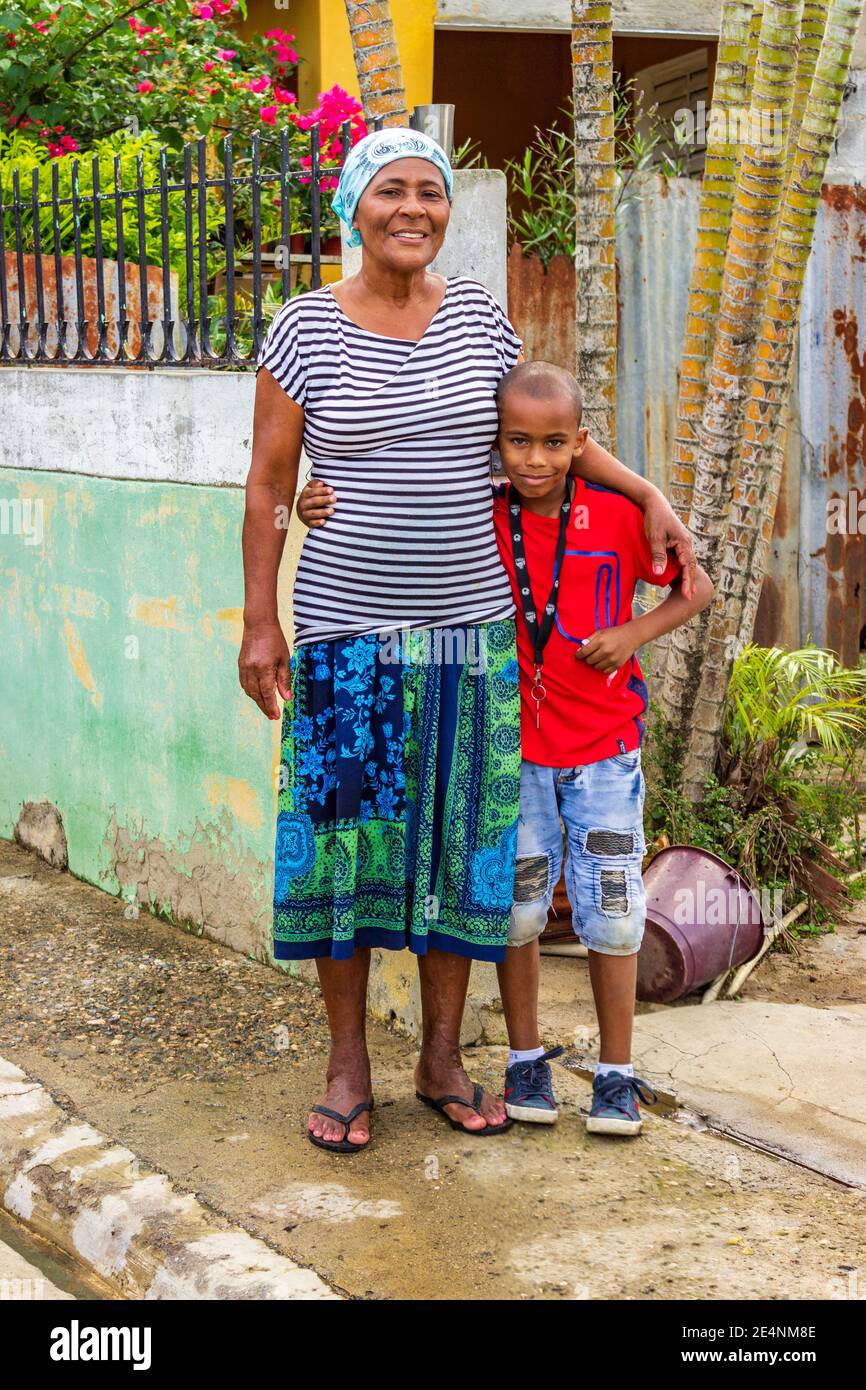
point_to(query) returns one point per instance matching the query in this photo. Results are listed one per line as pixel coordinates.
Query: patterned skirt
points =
(399, 794)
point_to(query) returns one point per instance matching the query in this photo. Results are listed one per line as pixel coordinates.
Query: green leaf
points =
(11, 20)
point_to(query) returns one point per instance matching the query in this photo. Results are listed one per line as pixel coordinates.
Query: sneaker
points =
(615, 1107)
(529, 1090)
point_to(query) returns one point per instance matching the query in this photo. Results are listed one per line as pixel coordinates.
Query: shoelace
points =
(533, 1076)
(615, 1090)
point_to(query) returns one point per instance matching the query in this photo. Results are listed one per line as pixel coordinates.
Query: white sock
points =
(529, 1056)
(625, 1068)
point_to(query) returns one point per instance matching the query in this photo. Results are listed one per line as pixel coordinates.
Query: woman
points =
(398, 810)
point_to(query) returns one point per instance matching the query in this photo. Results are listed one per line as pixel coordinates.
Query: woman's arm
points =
(278, 429)
(663, 527)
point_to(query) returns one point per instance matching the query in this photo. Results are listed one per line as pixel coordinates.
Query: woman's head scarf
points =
(372, 154)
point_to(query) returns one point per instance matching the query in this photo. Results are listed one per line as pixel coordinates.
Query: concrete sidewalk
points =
(791, 1077)
(203, 1064)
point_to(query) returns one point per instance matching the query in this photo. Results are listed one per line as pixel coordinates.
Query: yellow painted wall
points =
(323, 41)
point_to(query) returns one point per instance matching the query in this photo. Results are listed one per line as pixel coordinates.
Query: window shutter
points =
(678, 84)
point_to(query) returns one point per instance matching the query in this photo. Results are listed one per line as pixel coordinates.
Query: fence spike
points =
(80, 321)
(122, 319)
(168, 353)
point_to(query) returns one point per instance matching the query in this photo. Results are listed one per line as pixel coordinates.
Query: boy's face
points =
(538, 439)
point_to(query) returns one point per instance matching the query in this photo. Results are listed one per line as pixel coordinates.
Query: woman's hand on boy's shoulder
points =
(665, 532)
(316, 503)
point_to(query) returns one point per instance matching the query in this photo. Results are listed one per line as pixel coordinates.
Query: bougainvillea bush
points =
(79, 77)
(83, 69)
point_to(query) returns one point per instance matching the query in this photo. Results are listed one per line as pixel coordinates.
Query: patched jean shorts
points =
(601, 808)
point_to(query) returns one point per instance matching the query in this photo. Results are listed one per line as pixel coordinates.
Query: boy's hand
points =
(316, 503)
(608, 650)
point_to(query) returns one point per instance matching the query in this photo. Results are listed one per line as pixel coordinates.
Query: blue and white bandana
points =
(372, 154)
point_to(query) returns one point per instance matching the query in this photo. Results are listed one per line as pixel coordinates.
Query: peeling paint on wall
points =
(78, 661)
(202, 879)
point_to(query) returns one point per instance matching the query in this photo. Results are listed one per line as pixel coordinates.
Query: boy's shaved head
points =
(544, 382)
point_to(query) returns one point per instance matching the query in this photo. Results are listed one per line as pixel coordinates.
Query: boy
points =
(573, 553)
(583, 699)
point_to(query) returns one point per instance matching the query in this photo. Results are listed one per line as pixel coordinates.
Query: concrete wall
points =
(848, 160)
(120, 618)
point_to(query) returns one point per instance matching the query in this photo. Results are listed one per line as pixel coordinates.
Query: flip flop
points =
(340, 1146)
(473, 1104)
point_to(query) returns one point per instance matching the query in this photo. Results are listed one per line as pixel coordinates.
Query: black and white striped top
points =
(403, 432)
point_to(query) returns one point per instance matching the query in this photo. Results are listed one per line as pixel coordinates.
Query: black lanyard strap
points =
(539, 633)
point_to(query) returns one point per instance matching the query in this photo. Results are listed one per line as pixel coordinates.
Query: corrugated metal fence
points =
(816, 581)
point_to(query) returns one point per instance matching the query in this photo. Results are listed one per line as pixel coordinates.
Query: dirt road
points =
(204, 1064)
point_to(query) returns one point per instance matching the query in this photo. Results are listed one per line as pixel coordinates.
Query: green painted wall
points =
(120, 698)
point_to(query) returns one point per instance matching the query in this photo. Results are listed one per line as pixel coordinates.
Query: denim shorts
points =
(600, 807)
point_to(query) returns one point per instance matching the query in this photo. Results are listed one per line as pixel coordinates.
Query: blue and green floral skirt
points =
(399, 794)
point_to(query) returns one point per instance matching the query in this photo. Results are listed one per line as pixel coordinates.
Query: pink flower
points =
(203, 11)
(283, 96)
(225, 55)
(65, 145)
(259, 84)
(269, 115)
(284, 35)
(283, 54)
(145, 86)
(208, 65)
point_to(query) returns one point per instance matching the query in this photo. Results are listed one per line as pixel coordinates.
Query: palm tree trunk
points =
(732, 93)
(731, 96)
(763, 449)
(377, 62)
(595, 191)
(815, 13)
(692, 667)
(753, 506)
(754, 39)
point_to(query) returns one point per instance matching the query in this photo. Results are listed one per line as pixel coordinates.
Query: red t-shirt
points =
(583, 719)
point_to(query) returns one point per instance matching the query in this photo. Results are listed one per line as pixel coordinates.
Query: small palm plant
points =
(794, 725)
(784, 706)
(783, 800)
(541, 184)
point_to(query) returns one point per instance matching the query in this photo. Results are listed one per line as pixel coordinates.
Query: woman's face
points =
(403, 213)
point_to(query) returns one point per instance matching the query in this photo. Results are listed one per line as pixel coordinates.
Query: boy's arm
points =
(663, 527)
(611, 648)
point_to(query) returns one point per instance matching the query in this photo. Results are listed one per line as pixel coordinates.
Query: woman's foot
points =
(440, 1072)
(348, 1083)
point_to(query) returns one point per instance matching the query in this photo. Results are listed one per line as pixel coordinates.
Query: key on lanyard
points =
(538, 694)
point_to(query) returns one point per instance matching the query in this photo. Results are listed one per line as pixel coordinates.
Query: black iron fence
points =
(177, 262)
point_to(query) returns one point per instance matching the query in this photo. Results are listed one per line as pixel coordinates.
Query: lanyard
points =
(539, 633)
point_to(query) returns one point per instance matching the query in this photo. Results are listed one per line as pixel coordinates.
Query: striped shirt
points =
(403, 432)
